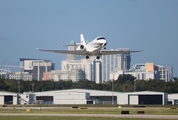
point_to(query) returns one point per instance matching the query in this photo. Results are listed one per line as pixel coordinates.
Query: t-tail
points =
(82, 40)
(82, 43)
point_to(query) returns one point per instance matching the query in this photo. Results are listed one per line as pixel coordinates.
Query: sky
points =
(149, 25)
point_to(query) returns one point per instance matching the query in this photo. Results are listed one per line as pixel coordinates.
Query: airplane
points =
(93, 48)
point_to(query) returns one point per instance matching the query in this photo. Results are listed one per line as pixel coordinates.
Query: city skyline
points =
(93, 70)
(134, 24)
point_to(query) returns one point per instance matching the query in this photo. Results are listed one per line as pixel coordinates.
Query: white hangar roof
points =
(92, 92)
(7, 93)
(97, 92)
(145, 92)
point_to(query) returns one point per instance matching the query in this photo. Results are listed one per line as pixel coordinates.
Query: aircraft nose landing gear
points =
(97, 57)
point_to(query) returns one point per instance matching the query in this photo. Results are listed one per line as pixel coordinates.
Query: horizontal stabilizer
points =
(67, 45)
(77, 44)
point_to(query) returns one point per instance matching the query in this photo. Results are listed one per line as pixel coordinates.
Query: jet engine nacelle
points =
(81, 47)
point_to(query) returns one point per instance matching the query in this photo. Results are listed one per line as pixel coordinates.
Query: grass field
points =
(114, 110)
(92, 105)
(65, 118)
(152, 110)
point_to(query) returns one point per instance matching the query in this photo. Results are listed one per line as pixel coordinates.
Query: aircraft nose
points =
(105, 43)
(101, 42)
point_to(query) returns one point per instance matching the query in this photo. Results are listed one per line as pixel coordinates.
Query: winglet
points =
(140, 50)
(38, 49)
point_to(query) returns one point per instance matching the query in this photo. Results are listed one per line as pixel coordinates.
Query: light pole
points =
(112, 90)
(135, 85)
(33, 84)
(19, 87)
(19, 100)
(135, 82)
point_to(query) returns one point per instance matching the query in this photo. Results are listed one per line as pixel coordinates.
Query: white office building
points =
(165, 73)
(4, 73)
(112, 62)
(146, 71)
(36, 67)
(20, 76)
(98, 72)
(73, 74)
(91, 67)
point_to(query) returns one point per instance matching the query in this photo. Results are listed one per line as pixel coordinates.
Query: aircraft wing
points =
(66, 51)
(118, 52)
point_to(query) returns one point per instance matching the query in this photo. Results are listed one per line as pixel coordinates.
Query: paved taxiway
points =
(96, 115)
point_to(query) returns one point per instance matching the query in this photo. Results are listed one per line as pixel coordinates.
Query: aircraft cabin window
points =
(100, 38)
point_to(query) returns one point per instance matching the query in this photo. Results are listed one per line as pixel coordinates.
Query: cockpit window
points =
(100, 38)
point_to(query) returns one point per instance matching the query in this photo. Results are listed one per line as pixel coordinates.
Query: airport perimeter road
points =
(96, 115)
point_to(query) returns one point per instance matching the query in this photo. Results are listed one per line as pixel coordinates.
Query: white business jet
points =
(93, 48)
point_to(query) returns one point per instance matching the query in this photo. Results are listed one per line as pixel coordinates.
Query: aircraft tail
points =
(82, 43)
(82, 40)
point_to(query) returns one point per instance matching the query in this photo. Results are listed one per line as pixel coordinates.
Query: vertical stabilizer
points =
(82, 40)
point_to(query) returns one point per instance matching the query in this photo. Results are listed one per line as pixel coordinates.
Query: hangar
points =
(15, 98)
(85, 96)
(63, 97)
(8, 98)
(143, 98)
(173, 99)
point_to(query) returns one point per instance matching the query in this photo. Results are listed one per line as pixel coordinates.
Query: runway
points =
(96, 115)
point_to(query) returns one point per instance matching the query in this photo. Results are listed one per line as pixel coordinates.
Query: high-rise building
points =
(39, 67)
(71, 48)
(112, 62)
(74, 75)
(146, 71)
(165, 73)
(108, 64)
(98, 72)
(91, 67)
(20, 76)
(36, 67)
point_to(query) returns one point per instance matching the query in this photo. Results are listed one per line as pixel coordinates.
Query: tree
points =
(123, 78)
(125, 83)
(140, 85)
(3, 85)
(175, 78)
